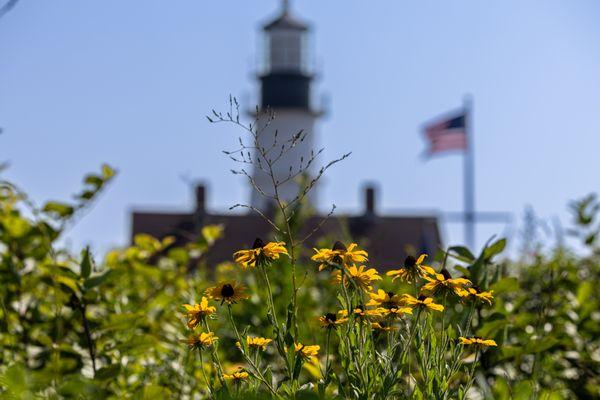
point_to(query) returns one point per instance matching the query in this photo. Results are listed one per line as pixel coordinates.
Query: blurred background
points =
(130, 83)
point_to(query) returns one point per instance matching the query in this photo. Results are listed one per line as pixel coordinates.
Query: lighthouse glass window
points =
(286, 51)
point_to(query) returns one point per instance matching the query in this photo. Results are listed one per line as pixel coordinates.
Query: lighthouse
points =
(285, 80)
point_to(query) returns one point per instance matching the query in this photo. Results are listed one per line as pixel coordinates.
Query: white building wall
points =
(287, 123)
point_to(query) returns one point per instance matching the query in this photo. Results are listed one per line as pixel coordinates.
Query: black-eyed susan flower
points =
(422, 302)
(361, 311)
(237, 376)
(260, 253)
(360, 278)
(227, 292)
(411, 270)
(307, 352)
(444, 282)
(195, 313)
(477, 341)
(385, 300)
(331, 320)
(477, 294)
(256, 342)
(339, 255)
(398, 312)
(380, 326)
(200, 340)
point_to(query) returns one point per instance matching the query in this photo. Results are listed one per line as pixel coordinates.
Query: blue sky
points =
(129, 83)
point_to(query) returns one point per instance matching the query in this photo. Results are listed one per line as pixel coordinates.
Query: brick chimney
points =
(200, 194)
(370, 200)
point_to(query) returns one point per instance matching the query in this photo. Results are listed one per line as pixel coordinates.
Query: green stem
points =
(471, 374)
(271, 308)
(248, 359)
(442, 353)
(215, 357)
(270, 302)
(327, 350)
(208, 383)
(406, 350)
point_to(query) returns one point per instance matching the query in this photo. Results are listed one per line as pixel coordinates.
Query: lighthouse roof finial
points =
(285, 20)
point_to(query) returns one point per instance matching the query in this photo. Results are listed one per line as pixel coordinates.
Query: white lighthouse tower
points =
(285, 88)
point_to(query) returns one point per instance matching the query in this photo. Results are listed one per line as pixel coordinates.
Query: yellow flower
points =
(477, 341)
(444, 281)
(200, 340)
(361, 277)
(307, 352)
(400, 311)
(256, 342)
(196, 312)
(339, 255)
(331, 320)
(237, 376)
(422, 302)
(476, 294)
(259, 253)
(387, 300)
(380, 326)
(361, 312)
(227, 292)
(411, 270)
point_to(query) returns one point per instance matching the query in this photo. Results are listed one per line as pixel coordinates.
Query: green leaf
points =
(212, 233)
(463, 270)
(86, 263)
(146, 242)
(16, 226)
(538, 346)
(288, 339)
(463, 253)
(289, 317)
(108, 372)
(297, 367)
(93, 180)
(16, 382)
(506, 285)
(489, 329)
(495, 248)
(584, 292)
(508, 352)
(97, 280)
(107, 172)
(179, 255)
(61, 210)
(475, 271)
(68, 285)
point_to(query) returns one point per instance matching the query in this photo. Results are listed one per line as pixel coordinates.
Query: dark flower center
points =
(330, 317)
(361, 307)
(339, 246)
(410, 262)
(389, 303)
(446, 274)
(258, 243)
(477, 289)
(422, 297)
(227, 290)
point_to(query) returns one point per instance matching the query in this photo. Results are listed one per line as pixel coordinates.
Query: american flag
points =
(447, 134)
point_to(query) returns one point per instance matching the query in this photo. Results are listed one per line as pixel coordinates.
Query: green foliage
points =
(92, 327)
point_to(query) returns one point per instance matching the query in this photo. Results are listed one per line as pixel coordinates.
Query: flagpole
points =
(469, 174)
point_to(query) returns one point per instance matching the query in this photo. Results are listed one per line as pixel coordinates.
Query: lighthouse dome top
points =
(286, 21)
